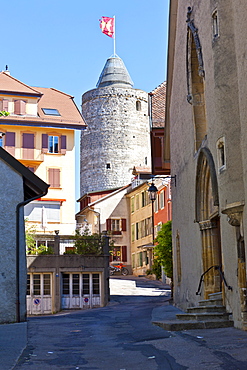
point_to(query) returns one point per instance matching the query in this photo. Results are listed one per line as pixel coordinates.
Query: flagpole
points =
(114, 42)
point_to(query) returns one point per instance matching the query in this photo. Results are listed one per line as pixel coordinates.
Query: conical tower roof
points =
(115, 74)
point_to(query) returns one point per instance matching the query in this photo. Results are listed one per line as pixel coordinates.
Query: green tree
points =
(87, 244)
(163, 248)
(31, 242)
(3, 113)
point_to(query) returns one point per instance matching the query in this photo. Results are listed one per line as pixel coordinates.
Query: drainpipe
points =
(150, 108)
(18, 251)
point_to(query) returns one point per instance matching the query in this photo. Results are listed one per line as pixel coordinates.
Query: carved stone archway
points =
(207, 216)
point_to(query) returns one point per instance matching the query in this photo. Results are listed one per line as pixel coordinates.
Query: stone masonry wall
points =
(117, 138)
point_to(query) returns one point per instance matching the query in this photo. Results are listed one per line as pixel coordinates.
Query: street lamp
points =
(152, 192)
(152, 196)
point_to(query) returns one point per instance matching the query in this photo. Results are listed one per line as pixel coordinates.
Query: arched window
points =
(195, 81)
(138, 105)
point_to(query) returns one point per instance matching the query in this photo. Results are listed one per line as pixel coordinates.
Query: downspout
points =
(21, 204)
(150, 108)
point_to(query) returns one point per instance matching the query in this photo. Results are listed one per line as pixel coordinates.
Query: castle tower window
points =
(138, 105)
(108, 166)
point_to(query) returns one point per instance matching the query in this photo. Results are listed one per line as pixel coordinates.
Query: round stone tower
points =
(118, 133)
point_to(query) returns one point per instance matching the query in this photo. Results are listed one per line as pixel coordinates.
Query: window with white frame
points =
(53, 144)
(156, 204)
(115, 224)
(162, 199)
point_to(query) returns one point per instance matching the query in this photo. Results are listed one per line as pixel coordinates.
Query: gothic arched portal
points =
(209, 222)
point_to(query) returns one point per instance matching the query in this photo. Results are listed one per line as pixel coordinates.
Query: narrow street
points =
(121, 336)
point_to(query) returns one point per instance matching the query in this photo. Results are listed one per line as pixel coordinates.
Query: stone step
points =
(211, 302)
(203, 316)
(217, 295)
(209, 308)
(179, 325)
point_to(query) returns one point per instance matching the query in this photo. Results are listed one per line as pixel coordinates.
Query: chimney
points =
(7, 70)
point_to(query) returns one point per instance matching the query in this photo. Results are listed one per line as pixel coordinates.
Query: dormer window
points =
(51, 112)
(20, 107)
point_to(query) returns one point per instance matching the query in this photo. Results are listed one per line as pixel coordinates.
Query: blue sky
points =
(51, 43)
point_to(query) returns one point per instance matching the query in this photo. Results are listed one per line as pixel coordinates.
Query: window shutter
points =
(124, 253)
(44, 143)
(108, 224)
(28, 141)
(54, 177)
(10, 142)
(5, 105)
(63, 144)
(124, 224)
(20, 107)
(10, 139)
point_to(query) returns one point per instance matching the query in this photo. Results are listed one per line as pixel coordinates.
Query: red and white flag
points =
(107, 26)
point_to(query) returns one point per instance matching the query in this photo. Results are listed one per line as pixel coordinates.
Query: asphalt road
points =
(121, 337)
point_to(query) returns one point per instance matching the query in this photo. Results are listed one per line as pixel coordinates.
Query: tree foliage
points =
(163, 248)
(4, 113)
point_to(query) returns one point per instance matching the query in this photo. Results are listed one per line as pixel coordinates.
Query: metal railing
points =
(216, 267)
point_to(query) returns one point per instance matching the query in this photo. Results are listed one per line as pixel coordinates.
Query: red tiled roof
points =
(159, 105)
(64, 103)
(70, 117)
(12, 85)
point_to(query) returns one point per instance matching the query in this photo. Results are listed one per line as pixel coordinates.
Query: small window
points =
(108, 166)
(54, 177)
(161, 199)
(138, 105)
(47, 284)
(132, 204)
(215, 24)
(156, 203)
(75, 284)
(115, 224)
(137, 202)
(65, 284)
(28, 284)
(51, 112)
(36, 284)
(133, 232)
(20, 107)
(1, 141)
(133, 260)
(86, 284)
(53, 144)
(221, 154)
(96, 287)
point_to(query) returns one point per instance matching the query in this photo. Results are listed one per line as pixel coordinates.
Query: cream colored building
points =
(39, 132)
(206, 125)
(141, 228)
(108, 211)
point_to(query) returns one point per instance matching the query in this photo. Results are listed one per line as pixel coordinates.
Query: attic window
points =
(51, 112)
